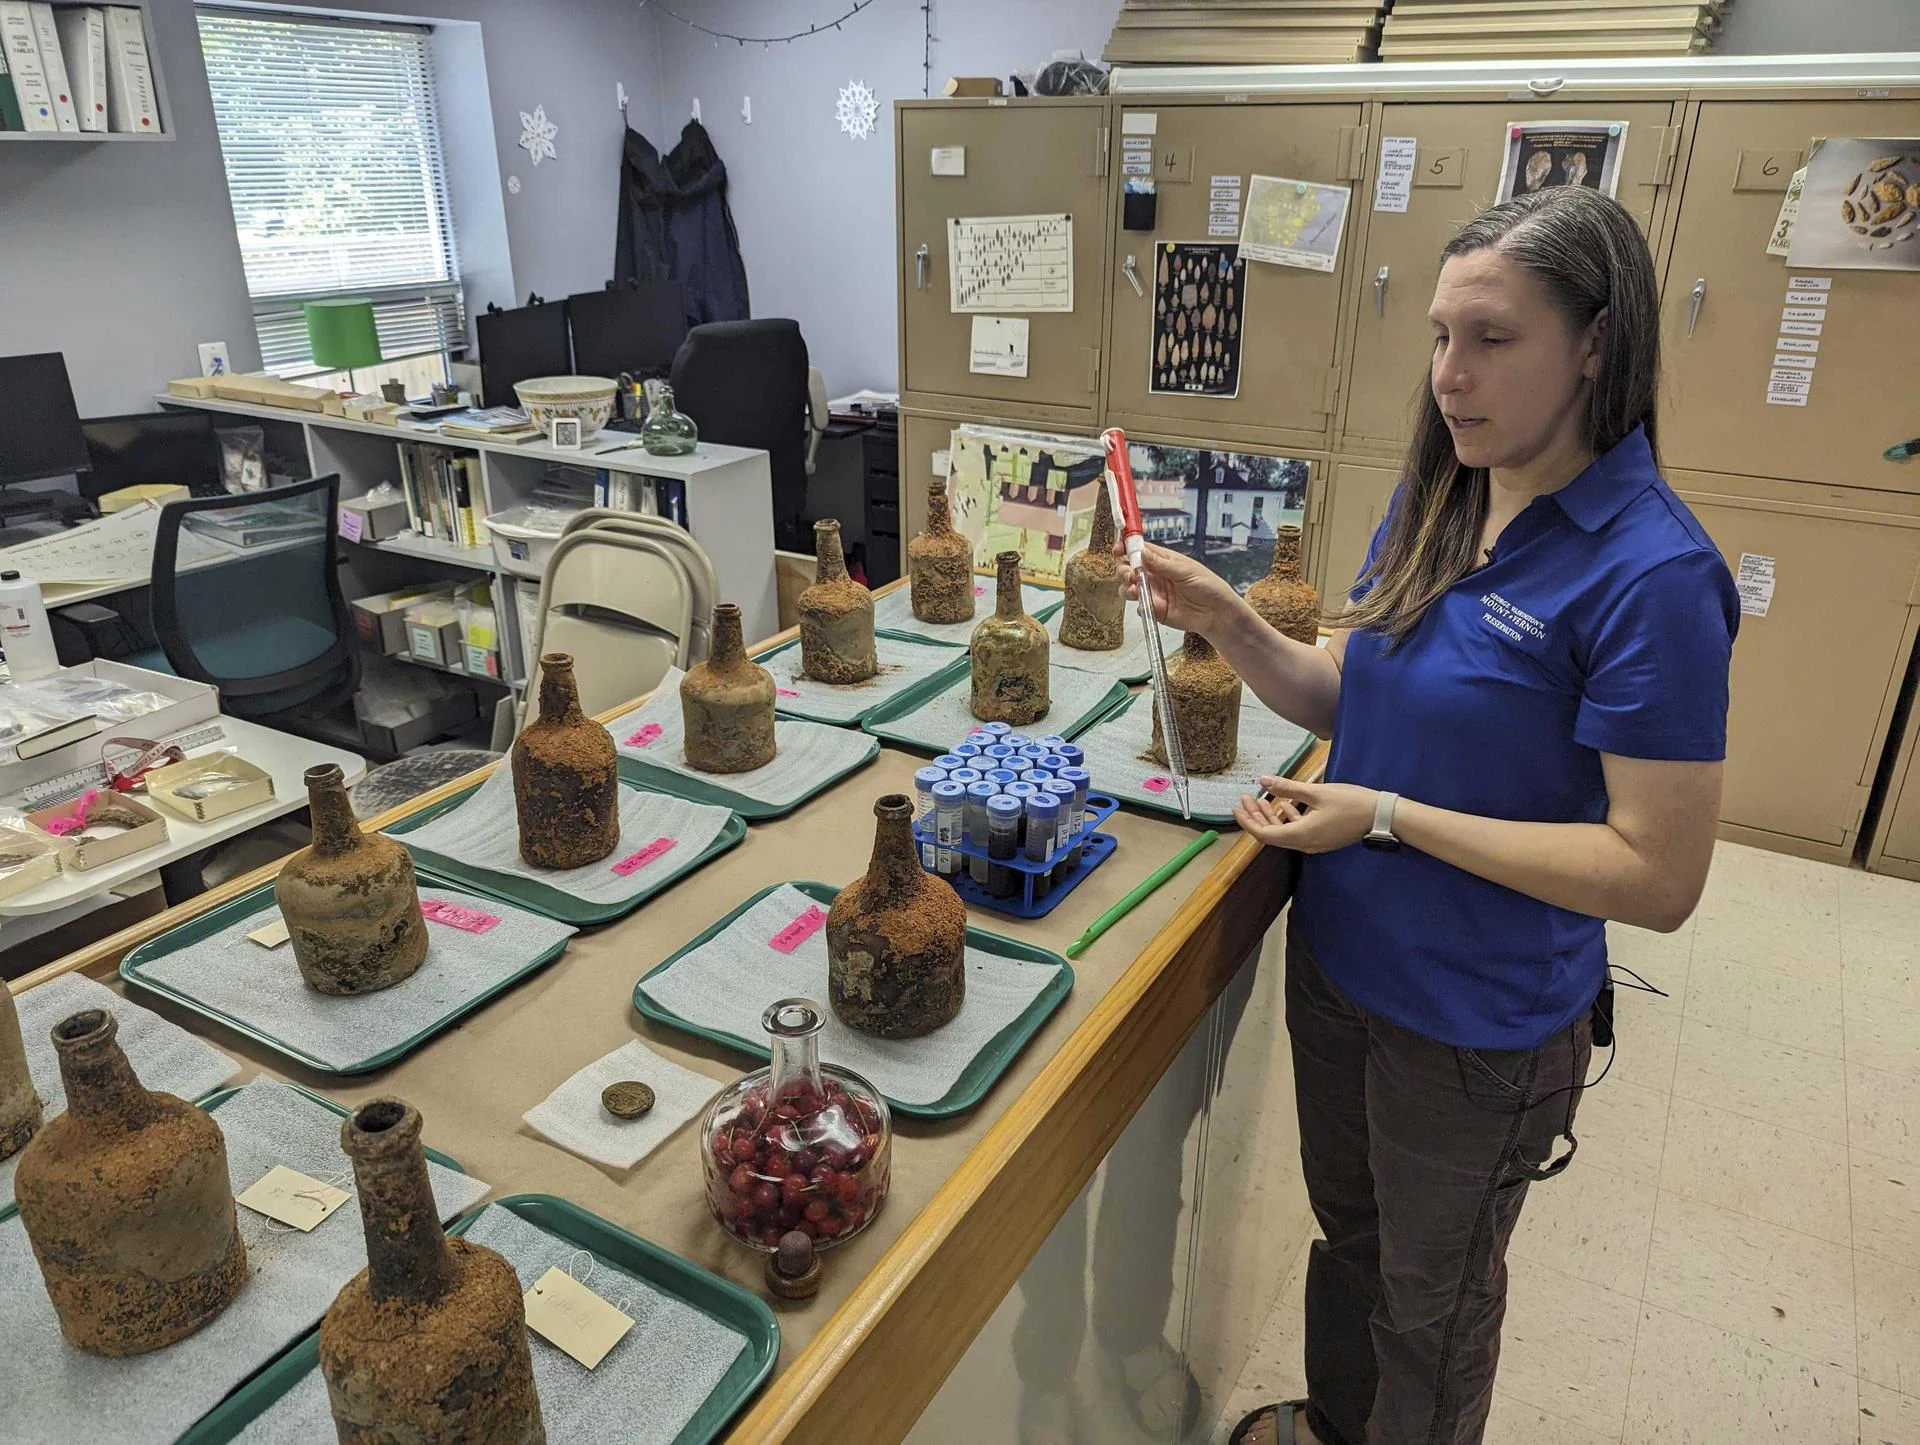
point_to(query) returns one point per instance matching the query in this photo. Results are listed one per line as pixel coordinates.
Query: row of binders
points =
(441, 488)
(76, 68)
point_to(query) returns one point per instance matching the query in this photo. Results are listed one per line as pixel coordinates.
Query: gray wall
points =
(124, 257)
(815, 209)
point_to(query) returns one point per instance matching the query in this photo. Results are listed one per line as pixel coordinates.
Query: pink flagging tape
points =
(1157, 785)
(470, 920)
(646, 735)
(798, 931)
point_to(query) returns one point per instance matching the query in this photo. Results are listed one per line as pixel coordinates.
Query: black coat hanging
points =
(674, 225)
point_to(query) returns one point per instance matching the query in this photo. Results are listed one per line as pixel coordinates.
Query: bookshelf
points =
(165, 133)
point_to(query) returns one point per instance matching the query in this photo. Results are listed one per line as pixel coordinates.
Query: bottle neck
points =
(1006, 598)
(894, 857)
(729, 648)
(103, 1089)
(1286, 555)
(559, 696)
(830, 564)
(407, 1254)
(663, 401)
(335, 829)
(1196, 648)
(939, 514)
(796, 1062)
(1102, 539)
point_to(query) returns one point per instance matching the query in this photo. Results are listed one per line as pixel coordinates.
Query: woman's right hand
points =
(1186, 595)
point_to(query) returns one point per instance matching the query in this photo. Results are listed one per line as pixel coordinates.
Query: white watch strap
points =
(1383, 817)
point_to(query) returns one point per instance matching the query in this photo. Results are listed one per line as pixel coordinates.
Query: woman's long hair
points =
(1588, 253)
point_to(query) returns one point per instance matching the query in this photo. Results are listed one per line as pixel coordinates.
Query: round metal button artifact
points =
(628, 1099)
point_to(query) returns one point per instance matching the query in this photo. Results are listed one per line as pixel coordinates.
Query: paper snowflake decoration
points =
(857, 109)
(537, 133)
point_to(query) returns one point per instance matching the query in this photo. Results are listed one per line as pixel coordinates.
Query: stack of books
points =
(443, 494)
(1564, 29)
(495, 424)
(1245, 32)
(76, 68)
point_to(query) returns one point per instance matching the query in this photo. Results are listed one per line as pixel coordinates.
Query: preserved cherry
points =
(798, 1145)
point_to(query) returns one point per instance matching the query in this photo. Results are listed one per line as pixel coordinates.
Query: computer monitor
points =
(514, 345)
(635, 329)
(39, 424)
(167, 448)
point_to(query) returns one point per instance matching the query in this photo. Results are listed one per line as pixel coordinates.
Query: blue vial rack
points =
(1028, 901)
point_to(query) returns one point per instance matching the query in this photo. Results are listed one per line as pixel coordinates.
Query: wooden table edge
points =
(874, 1365)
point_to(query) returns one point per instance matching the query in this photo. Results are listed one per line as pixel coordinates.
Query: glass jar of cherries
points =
(798, 1145)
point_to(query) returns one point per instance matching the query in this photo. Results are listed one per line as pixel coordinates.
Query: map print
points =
(1293, 223)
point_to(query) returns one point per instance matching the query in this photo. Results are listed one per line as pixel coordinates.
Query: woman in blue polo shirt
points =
(1527, 698)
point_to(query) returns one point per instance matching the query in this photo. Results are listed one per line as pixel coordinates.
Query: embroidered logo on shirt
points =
(1503, 617)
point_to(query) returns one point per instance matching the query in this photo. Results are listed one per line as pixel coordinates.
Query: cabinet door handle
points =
(920, 262)
(1380, 291)
(1132, 273)
(1698, 296)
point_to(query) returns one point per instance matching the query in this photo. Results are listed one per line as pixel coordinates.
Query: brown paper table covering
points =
(473, 1083)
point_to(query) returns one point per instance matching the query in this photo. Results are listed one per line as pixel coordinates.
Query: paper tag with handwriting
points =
(271, 935)
(1157, 785)
(469, 920)
(646, 735)
(292, 1197)
(646, 855)
(566, 1313)
(798, 931)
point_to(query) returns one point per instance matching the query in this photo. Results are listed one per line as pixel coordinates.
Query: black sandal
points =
(1282, 1416)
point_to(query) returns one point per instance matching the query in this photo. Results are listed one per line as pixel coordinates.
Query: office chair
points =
(747, 384)
(246, 596)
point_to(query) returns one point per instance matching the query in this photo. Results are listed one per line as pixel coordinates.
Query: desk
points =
(972, 1198)
(281, 754)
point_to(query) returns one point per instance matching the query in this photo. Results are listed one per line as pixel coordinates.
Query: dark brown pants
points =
(1417, 1158)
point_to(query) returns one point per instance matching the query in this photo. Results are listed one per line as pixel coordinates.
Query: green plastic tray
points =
(1170, 805)
(716, 1298)
(710, 790)
(540, 897)
(980, 1075)
(260, 899)
(878, 721)
(766, 658)
(1038, 614)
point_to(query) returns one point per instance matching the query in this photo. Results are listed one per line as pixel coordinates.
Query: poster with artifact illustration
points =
(1562, 153)
(1859, 206)
(1199, 298)
(1026, 492)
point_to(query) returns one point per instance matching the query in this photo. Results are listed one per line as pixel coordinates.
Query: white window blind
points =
(332, 149)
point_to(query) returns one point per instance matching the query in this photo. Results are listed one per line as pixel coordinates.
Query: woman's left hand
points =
(1308, 817)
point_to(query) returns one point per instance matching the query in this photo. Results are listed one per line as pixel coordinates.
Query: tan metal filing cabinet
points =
(1291, 320)
(1354, 506)
(1816, 680)
(1456, 174)
(1863, 397)
(1896, 843)
(1020, 158)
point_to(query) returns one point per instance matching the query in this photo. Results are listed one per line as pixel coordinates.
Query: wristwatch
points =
(1381, 837)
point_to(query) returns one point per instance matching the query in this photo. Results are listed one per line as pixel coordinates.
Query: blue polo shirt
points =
(1604, 624)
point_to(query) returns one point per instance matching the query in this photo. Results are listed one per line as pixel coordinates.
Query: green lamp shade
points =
(342, 334)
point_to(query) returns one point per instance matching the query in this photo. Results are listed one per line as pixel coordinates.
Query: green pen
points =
(1133, 900)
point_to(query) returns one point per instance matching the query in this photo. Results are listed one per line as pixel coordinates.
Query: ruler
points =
(67, 786)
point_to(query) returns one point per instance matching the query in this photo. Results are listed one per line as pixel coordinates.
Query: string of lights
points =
(719, 35)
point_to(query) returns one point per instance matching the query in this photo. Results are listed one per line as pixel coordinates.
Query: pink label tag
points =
(353, 524)
(470, 920)
(646, 855)
(979, 589)
(798, 931)
(786, 692)
(646, 735)
(1157, 785)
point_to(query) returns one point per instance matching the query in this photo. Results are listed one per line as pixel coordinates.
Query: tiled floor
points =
(1735, 1256)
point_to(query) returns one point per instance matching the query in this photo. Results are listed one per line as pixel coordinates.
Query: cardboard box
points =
(93, 849)
(37, 861)
(164, 787)
(973, 87)
(433, 635)
(198, 387)
(482, 662)
(260, 390)
(381, 620)
(159, 493)
(361, 521)
(430, 717)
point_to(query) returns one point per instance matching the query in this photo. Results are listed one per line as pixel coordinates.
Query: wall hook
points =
(620, 96)
(696, 107)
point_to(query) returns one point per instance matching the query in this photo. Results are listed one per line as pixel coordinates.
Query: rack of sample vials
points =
(1011, 821)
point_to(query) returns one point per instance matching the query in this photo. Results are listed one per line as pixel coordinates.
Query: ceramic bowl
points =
(589, 398)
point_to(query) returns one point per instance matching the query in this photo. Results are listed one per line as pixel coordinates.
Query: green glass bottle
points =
(666, 432)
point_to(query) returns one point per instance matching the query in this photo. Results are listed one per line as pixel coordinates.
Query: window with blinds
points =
(332, 149)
